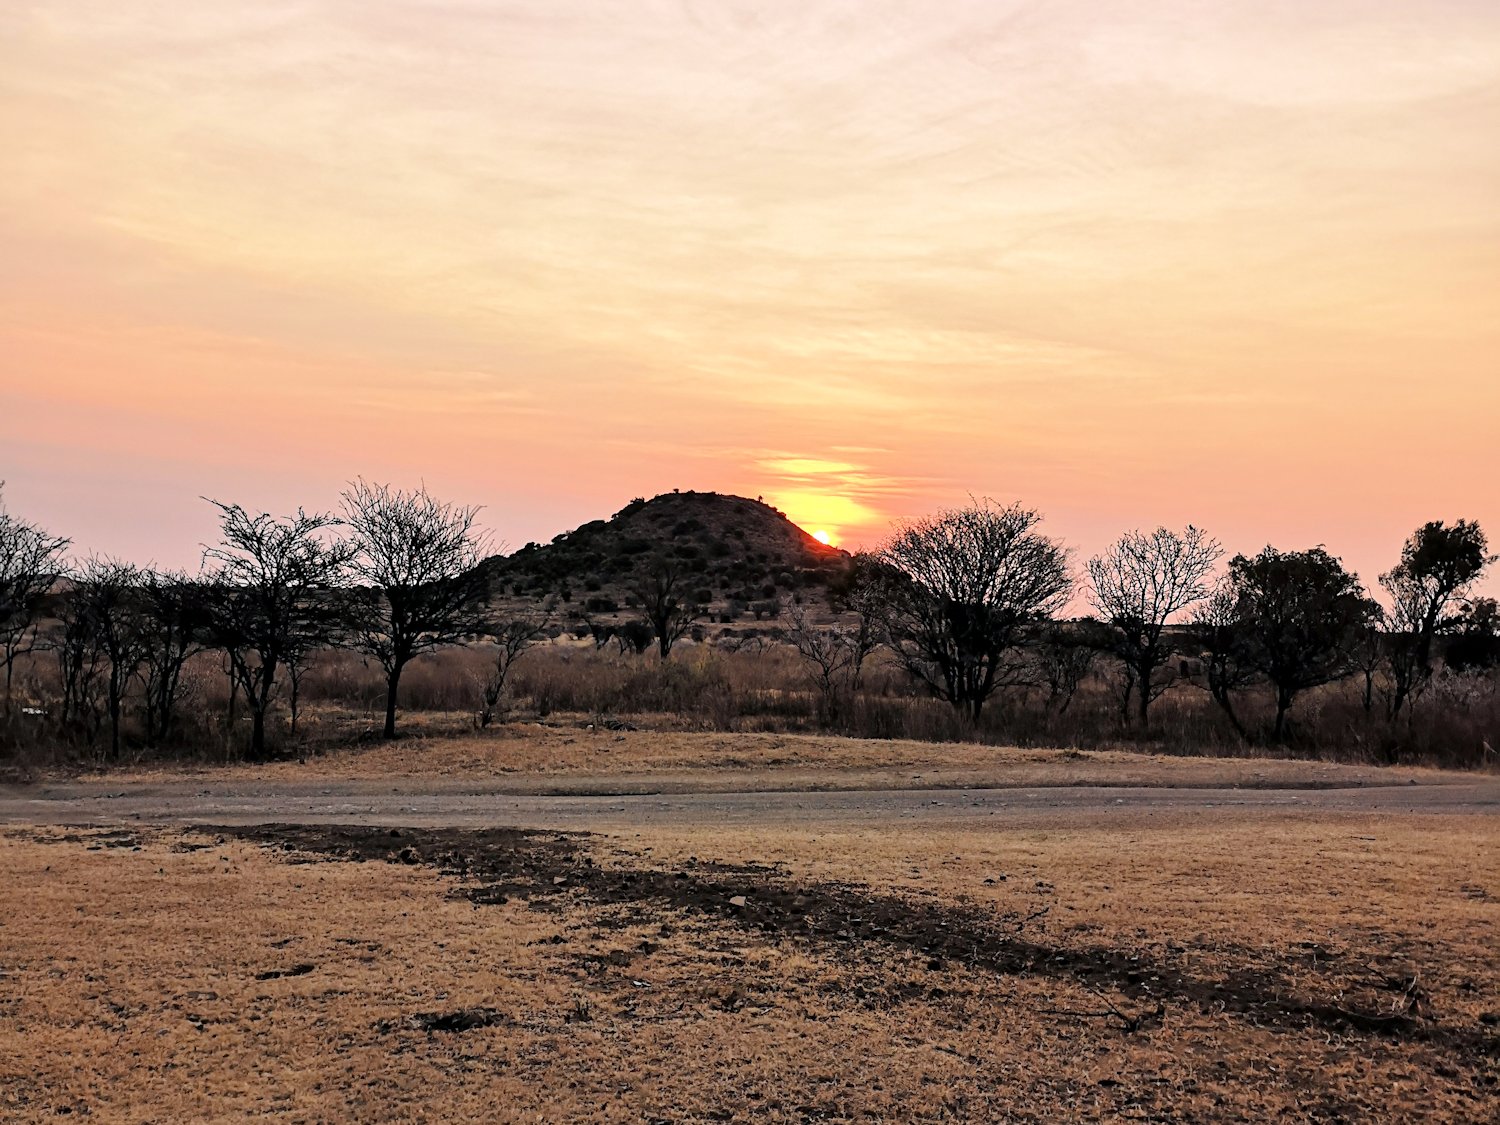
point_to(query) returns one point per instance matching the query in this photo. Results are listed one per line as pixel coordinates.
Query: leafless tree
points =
(30, 561)
(663, 589)
(835, 654)
(513, 637)
(1439, 565)
(968, 584)
(419, 557)
(1138, 585)
(1065, 652)
(272, 594)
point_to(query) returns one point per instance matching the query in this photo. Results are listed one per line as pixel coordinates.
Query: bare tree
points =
(1439, 565)
(663, 591)
(420, 557)
(835, 654)
(514, 638)
(969, 583)
(1065, 652)
(272, 595)
(1138, 585)
(30, 561)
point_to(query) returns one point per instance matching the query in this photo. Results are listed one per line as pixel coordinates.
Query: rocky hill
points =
(738, 556)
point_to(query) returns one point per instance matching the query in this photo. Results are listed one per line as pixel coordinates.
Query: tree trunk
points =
(114, 720)
(392, 682)
(1283, 704)
(257, 733)
(1143, 692)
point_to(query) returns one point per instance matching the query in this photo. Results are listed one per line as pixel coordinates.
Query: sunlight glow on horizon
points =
(1129, 263)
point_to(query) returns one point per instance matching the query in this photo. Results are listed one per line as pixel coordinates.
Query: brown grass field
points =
(1328, 967)
(542, 757)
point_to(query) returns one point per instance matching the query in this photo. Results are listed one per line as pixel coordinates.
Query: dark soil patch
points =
(504, 864)
(295, 971)
(465, 1019)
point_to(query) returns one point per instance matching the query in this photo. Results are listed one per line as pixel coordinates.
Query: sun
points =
(823, 537)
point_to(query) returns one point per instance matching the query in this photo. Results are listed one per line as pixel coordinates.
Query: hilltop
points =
(740, 554)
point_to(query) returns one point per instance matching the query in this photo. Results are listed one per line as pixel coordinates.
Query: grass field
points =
(1334, 968)
(537, 757)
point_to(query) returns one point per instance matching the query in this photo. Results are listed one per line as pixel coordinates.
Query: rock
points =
(738, 902)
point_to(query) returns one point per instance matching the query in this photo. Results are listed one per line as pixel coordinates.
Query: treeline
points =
(966, 604)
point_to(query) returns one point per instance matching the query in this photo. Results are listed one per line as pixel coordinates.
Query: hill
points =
(737, 554)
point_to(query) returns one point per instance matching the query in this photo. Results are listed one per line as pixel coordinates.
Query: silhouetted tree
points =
(971, 581)
(1138, 585)
(1475, 644)
(272, 594)
(1216, 631)
(1439, 565)
(109, 597)
(1298, 615)
(663, 589)
(176, 626)
(420, 558)
(1065, 652)
(633, 636)
(1369, 653)
(30, 561)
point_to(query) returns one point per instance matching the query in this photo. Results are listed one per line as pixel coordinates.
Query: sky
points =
(1231, 263)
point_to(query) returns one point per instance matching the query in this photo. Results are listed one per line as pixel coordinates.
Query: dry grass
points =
(533, 757)
(131, 991)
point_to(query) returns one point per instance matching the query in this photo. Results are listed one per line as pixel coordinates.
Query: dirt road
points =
(589, 804)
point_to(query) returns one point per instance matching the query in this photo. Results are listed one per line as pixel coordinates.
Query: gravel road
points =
(452, 803)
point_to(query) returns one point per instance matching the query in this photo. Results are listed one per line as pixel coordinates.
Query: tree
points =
(30, 561)
(108, 597)
(420, 558)
(663, 588)
(175, 624)
(80, 666)
(1475, 644)
(835, 654)
(1298, 614)
(1215, 629)
(1065, 652)
(271, 596)
(1138, 585)
(514, 638)
(1439, 565)
(968, 584)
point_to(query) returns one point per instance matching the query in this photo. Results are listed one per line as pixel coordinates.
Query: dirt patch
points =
(550, 869)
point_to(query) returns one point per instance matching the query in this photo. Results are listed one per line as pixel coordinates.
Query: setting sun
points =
(822, 537)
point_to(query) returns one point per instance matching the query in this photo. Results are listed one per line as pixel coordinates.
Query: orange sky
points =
(1236, 263)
